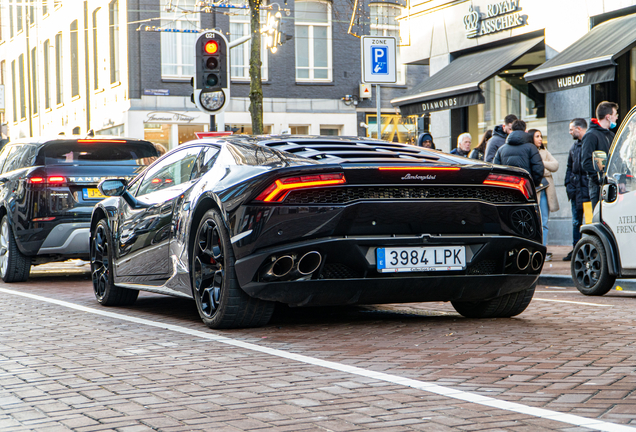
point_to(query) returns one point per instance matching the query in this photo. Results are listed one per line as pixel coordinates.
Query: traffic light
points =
(211, 79)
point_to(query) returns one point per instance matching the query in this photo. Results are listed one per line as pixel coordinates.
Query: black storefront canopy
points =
(457, 85)
(590, 60)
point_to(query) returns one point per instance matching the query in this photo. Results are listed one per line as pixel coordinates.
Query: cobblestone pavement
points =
(68, 369)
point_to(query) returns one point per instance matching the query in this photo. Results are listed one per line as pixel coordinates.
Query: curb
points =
(566, 281)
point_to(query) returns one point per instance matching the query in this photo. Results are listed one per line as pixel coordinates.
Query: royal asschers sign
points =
(498, 16)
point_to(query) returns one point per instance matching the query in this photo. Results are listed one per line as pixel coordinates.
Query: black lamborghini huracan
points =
(241, 223)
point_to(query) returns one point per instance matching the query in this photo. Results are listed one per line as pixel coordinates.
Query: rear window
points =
(98, 153)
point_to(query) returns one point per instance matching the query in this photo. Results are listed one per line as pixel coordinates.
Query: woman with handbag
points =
(548, 201)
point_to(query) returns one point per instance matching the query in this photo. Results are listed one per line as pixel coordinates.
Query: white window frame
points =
(310, 37)
(242, 17)
(179, 19)
(389, 30)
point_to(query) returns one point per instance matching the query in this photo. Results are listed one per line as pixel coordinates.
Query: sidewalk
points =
(557, 272)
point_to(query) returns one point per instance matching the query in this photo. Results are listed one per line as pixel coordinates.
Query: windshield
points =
(94, 152)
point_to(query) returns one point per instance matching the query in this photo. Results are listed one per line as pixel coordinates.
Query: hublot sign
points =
(499, 16)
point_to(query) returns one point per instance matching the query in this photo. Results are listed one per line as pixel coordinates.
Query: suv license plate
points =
(92, 193)
(420, 259)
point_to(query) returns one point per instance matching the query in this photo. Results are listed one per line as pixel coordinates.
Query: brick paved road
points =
(64, 369)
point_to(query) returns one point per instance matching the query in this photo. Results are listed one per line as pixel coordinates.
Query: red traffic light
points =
(211, 47)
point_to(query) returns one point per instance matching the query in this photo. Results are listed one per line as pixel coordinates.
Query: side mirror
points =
(112, 187)
(599, 158)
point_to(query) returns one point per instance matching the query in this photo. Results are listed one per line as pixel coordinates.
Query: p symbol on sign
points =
(379, 60)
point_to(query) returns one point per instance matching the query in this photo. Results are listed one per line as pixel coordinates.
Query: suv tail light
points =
(44, 180)
(510, 181)
(277, 191)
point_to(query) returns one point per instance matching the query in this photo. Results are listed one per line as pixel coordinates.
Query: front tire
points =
(14, 265)
(220, 301)
(106, 292)
(505, 306)
(589, 267)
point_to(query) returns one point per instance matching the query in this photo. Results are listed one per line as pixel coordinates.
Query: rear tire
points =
(589, 267)
(220, 301)
(504, 306)
(106, 292)
(14, 265)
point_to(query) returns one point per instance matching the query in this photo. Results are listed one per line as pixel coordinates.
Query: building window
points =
(31, 13)
(240, 55)
(22, 92)
(329, 130)
(394, 127)
(10, 20)
(18, 14)
(34, 81)
(384, 23)
(313, 41)
(74, 61)
(59, 98)
(299, 130)
(177, 58)
(45, 7)
(113, 26)
(46, 60)
(95, 52)
(13, 92)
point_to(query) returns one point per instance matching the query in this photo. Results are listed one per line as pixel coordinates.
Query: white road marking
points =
(573, 302)
(380, 376)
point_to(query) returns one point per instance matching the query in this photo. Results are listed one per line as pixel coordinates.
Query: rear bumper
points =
(67, 239)
(348, 273)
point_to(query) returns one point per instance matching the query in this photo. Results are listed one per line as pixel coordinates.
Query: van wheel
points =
(589, 267)
(505, 306)
(14, 265)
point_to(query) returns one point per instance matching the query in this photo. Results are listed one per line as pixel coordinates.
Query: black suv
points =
(48, 189)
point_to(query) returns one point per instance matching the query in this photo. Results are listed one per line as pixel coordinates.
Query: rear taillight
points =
(277, 191)
(49, 180)
(509, 181)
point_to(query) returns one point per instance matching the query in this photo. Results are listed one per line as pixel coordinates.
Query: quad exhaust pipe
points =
(537, 260)
(523, 259)
(288, 267)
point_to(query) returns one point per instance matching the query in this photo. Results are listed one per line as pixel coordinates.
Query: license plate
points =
(420, 259)
(92, 193)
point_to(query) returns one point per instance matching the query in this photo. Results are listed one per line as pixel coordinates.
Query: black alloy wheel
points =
(14, 265)
(106, 292)
(220, 301)
(589, 267)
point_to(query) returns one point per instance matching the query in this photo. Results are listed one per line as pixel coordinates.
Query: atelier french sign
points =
(499, 16)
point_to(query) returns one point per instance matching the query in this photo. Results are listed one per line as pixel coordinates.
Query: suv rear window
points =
(97, 152)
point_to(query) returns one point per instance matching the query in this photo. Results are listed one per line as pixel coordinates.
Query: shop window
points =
(157, 133)
(31, 13)
(74, 60)
(112, 131)
(18, 14)
(313, 40)
(177, 56)
(394, 128)
(246, 129)
(502, 98)
(299, 130)
(240, 55)
(46, 60)
(59, 98)
(113, 27)
(384, 23)
(330, 130)
(34, 80)
(11, 24)
(187, 132)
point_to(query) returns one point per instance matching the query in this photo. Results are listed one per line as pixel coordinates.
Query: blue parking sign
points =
(380, 60)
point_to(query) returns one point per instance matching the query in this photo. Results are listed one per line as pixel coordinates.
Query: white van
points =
(606, 249)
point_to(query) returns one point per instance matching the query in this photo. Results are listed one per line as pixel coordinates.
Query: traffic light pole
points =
(212, 123)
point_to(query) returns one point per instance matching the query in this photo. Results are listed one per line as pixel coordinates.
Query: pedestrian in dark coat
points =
(576, 181)
(517, 151)
(499, 136)
(598, 137)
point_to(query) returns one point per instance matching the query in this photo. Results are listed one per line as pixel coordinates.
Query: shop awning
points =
(457, 85)
(590, 60)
